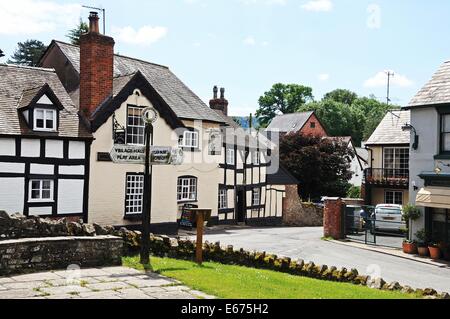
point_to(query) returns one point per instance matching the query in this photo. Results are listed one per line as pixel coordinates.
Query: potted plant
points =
(422, 245)
(445, 250)
(435, 251)
(410, 213)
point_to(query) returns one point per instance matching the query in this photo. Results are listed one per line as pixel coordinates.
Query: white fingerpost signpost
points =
(147, 155)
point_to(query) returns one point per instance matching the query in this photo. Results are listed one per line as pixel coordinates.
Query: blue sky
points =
(248, 45)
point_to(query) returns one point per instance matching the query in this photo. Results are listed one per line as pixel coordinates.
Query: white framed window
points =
(256, 197)
(256, 157)
(135, 126)
(230, 156)
(393, 197)
(223, 198)
(134, 198)
(187, 189)
(189, 139)
(41, 190)
(45, 120)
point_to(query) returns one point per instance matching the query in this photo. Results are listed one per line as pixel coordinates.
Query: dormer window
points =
(44, 119)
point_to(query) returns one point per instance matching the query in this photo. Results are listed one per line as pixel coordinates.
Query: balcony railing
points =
(387, 176)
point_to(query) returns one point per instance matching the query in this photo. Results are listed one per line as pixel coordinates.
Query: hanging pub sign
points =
(159, 155)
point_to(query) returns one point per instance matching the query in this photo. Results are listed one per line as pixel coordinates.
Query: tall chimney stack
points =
(96, 67)
(220, 104)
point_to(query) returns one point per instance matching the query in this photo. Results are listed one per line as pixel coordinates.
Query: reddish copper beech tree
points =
(321, 166)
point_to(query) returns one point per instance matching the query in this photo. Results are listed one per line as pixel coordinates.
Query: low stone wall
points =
(23, 255)
(18, 226)
(296, 213)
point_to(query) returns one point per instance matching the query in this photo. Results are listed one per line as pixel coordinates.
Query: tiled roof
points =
(389, 131)
(17, 86)
(436, 91)
(185, 103)
(290, 122)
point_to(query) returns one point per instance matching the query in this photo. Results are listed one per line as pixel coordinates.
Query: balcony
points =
(387, 177)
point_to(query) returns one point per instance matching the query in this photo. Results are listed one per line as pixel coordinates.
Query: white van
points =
(389, 217)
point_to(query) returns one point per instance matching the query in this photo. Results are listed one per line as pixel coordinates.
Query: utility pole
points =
(389, 75)
(103, 10)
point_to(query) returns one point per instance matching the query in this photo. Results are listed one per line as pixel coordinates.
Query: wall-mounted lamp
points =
(410, 128)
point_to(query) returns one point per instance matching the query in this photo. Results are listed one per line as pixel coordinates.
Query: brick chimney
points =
(220, 104)
(96, 67)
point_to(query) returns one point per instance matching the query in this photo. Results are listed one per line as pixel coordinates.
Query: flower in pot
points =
(422, 245)
(435, 251)
(410, 247)
(410, 213)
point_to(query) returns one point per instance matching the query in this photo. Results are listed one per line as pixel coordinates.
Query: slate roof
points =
(17, 86)
(282, 177)
(389, 131)
(436, 91)
(185, 103)
(290, 123)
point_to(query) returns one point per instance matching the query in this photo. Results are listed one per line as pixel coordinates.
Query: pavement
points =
(95, 283)
(306, 244)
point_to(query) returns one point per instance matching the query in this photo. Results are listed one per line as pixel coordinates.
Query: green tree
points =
(321, 166)
(75, 34)
(28, 53)
(344, 113)
(342, 96)
(282, 99)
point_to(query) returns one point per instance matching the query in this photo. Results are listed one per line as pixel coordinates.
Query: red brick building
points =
(305, 123)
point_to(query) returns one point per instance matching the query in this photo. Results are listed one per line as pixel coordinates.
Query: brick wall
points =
(317, 130)
(296, 213)
(96, 70)
(332, 219)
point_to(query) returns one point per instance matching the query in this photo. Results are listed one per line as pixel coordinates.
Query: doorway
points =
(241, 206)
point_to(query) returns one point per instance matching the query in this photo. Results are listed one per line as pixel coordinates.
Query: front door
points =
(241, 206)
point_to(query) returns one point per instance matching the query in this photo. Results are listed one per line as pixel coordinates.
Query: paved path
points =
(306, 244)
(95, 283)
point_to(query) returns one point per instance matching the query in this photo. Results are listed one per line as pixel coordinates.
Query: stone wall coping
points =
(57, 239)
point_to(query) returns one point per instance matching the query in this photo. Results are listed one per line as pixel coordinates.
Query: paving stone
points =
(175, 295)
(109, 286)
(176, 288)
(6, 280)
(19, 294)
(99, 295)
(36, 277)
(30, 285)
(121, 271)
(201, 294)
(81, 273)
(75, 282)
(153, 290)
(145, 283)
(134, 294)
(106, 279)
(64, 290)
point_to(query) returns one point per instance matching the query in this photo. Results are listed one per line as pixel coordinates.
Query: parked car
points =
(389, 218)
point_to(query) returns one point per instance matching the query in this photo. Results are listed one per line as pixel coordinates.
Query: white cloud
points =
(36, 16)
(266, 2)
(380, 80)
(323, 77)
(145, 35)
(318, 5)
(250, 41)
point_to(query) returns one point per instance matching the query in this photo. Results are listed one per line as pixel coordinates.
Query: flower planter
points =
(409, 248)
(435, 252)
(423, 251)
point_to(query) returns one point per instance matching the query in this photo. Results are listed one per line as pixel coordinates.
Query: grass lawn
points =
(235, 282)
